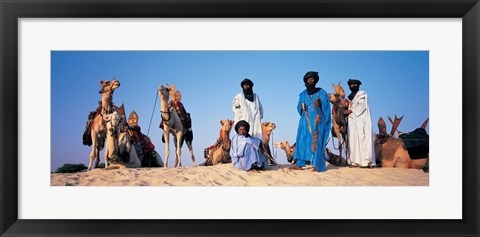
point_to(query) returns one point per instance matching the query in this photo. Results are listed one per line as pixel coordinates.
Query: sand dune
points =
(226, 175)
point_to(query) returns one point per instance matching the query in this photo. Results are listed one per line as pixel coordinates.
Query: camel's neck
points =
(288, 148)
(225, 134)
(266, 136)
(164, 103)
(106, 102)
(226, 139)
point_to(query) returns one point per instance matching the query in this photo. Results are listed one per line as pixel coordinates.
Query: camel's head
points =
(333, 97)
(109, 86)
(113, 122)
(268, 126)
(282, 145)
(339, 90)
(382, 127)
(226, 125)
(166, 91)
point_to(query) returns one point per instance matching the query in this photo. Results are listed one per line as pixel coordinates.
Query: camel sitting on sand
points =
(390, 150)
(267, 128)
(220, 151)
(98, 125)
(288, 150)
(172, 124)
(125, 147)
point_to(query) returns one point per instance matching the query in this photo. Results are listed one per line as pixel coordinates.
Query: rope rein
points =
(154, 105)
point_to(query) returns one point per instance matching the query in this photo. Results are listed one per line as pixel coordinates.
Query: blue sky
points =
(397, 82)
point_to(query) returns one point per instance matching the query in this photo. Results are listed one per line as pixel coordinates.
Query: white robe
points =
(252, 112)
(360, 137)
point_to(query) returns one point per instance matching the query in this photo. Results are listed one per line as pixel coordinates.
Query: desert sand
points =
(226, 175)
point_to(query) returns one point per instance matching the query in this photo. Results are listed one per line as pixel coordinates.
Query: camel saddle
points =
(87, 134)
(416, 143)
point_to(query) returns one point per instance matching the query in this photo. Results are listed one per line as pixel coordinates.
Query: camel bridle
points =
(167, 117)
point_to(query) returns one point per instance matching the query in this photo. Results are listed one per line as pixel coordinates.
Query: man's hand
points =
(304, 107)
(347, 112)
(316, 103)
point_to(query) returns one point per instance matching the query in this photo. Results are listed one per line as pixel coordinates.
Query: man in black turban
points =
(247, 106)
(247, 86)
(245, 151)
(311, 79)
(360, 138)
(354, 85)
(314, 125)
(245, 130)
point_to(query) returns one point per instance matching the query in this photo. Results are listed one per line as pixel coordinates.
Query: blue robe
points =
(245, 153)
(303, 148)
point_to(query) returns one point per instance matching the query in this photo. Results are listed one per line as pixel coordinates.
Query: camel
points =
(111, 148)
(339, 120)
(288, 150)
(98, 125)
(390, 150)
(172, 124)
(220, 151)
(125, 147)
(267, 128)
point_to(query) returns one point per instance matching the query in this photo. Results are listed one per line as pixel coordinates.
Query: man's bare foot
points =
(295, 167)
(253, 171)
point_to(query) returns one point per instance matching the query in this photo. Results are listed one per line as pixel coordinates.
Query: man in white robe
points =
(246, 106)
(360, 139)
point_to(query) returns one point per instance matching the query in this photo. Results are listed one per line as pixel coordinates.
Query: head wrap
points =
(246, 81)
(354, 81)
(311, 74)
(177, 93)
(243, 123)
(249, 92)
(355, 89)
(311, 88)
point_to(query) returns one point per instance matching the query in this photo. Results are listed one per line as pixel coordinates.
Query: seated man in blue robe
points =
(246, 150)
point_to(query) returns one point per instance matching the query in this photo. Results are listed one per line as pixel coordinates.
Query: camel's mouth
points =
(115, 84)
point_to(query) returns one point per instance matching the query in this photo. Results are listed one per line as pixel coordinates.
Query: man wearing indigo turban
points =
(247, 106)
(314, 125)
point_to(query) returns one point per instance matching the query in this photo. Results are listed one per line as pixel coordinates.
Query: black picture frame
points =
(11, 11)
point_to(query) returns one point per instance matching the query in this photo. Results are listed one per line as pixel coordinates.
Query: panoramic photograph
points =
(239, 118)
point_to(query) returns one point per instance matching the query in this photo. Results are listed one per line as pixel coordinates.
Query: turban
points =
(311, 74)
(246, 81)
(242, 123)
(354, 81)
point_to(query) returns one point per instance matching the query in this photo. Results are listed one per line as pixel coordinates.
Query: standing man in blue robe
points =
(246, 151)
(314, 125)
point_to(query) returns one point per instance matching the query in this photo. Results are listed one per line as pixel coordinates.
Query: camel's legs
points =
(105, 157)
(97, 159)
(189, 145)
(94, 152)
(167, 146)
(178, 137)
